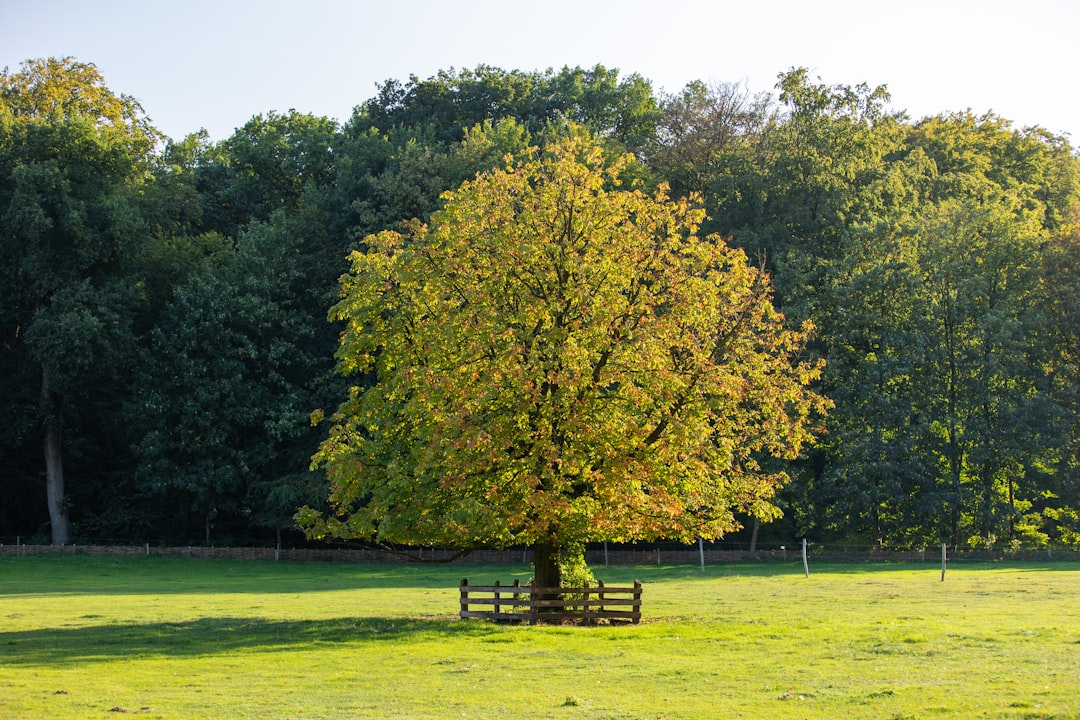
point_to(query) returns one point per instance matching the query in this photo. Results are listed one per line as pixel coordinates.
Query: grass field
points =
(85, 638)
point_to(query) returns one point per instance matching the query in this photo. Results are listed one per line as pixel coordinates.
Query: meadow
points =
(85, 638)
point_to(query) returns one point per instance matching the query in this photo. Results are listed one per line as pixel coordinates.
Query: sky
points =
(215, 64)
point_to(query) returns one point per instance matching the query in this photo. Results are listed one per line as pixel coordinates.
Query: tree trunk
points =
(54, 464)
(546, 570)
(753, 536)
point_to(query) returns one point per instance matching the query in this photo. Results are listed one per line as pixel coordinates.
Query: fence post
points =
(497, 603)
(464, 597)
(586, 615)
(637, 602)
(600, 594)
(944, 560)
(532, 603)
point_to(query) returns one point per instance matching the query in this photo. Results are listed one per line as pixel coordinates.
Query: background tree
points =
(711, 140)
(1059, 298)
(274, 162)
(73, 156)
(620, 109)
(558, 360)
(225, 389)
(943, 425)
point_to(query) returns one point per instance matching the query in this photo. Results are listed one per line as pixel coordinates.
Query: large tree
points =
(225, 385)
(622, 109)
(559, 359)
(1060, 298)
(72, 154)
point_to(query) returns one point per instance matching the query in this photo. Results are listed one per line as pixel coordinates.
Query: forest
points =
(164, 341)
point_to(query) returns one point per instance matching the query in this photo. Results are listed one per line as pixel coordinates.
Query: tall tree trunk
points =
(1012, 510)
(54, 463)
(753, 536)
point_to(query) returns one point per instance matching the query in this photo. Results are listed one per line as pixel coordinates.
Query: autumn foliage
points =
(558, 359)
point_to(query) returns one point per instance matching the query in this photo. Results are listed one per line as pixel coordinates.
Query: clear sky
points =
(216, 63)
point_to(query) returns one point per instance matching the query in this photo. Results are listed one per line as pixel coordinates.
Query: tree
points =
(983, 362)
(875, 475)
(1060, 299)
(945, 426)
(71, 154)
(554, 360)
(225, 387)
(452, 101)
(266, 165)
(709, 141)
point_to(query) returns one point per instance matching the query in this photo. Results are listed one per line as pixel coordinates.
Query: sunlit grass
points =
(177, 638)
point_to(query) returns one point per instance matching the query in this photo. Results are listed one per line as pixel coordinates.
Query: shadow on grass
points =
(79, 575)
(59, 647)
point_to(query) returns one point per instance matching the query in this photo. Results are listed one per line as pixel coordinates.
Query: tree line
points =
(164, 340)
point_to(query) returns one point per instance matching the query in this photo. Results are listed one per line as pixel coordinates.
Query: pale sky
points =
(215, 64)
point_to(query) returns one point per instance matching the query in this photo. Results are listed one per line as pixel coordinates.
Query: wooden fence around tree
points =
(521, 603)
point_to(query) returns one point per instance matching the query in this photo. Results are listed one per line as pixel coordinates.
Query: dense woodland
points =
(163, 302)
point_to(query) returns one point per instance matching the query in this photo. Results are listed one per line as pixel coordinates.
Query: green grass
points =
(89, 638)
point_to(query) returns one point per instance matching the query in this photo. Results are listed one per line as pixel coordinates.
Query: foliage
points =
(709, 139)
(452, 101)
(1059, 299)
(267, 165)
(933, 256)
(54, 91)
(573, 569)
(72, 156)
(913, 248)
(232, 344)
(558, 360)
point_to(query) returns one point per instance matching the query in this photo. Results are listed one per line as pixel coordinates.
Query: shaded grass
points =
(179, 638)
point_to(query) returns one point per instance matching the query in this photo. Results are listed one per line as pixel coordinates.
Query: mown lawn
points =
(88, 637)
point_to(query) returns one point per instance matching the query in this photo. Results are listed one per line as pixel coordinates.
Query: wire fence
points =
(596, 555)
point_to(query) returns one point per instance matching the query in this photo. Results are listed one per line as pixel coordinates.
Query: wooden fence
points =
(520, 603)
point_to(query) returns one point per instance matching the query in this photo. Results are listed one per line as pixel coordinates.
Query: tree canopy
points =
(556, 359)
(72, 154)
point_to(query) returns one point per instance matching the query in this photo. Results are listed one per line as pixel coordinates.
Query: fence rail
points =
(521, 603)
